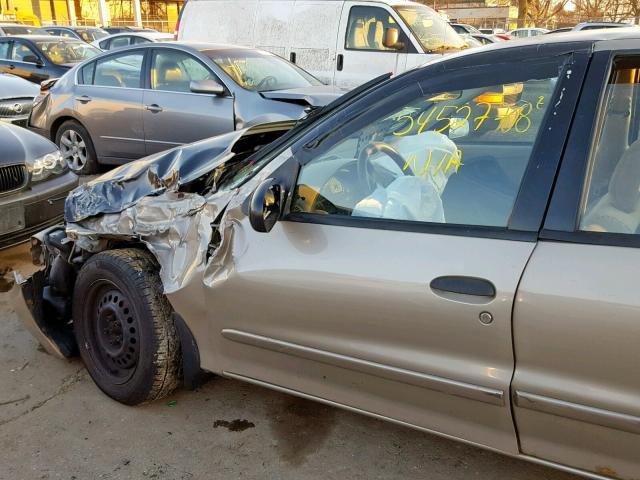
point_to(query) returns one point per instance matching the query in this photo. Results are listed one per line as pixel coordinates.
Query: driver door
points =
(389, 284)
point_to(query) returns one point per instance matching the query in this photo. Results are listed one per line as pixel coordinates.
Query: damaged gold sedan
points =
(439, 250)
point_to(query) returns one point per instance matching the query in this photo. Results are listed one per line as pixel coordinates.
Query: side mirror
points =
(265, 206)
(206, 86)
(33, 59)
(391, 39)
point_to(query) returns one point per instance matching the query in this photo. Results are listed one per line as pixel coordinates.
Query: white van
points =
(344, 43)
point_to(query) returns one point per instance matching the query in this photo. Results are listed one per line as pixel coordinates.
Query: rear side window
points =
(611, 199)
(4, 50)
(86, 74)
(455, 157)
(366, 28)
(121, 71)
(119, 42)
(139, 40)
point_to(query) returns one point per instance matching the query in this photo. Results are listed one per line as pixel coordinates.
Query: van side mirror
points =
(265, 206)
(206, 86)
(391, 39)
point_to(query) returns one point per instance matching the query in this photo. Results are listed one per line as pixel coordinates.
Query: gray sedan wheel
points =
(77, 148)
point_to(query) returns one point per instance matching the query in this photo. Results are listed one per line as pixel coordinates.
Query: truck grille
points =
(12, 177)
(15, 107)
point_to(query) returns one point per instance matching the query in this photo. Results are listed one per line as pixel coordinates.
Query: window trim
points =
(524, 222)
(391, 12)
(563, 217)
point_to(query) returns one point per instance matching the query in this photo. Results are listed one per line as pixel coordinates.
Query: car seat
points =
(618, 211)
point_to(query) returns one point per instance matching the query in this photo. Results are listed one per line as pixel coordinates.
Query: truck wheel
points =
(124, 328)
(77, 148)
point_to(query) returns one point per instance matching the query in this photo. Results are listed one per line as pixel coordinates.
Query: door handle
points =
(477, 287)
(340, 62)
(83, 99)
(153, 108)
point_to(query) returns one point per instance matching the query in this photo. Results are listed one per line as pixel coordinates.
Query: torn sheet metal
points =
(175, 226)
(124, 186)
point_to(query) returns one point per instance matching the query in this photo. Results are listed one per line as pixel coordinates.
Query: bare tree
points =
(540, 12)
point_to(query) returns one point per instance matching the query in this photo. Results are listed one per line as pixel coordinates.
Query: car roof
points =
(43, 37)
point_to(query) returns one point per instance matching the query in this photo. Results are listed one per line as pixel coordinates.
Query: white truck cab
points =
(342, 43)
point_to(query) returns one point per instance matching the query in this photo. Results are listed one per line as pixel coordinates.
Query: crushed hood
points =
(317, 96)
(124, 186)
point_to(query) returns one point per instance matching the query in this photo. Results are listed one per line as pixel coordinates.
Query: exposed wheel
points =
(123, 325)
(77, 148)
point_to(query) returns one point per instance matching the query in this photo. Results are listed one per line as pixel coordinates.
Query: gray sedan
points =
(145, 99)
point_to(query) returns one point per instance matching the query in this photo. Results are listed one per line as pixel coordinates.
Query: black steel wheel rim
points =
(113, 331)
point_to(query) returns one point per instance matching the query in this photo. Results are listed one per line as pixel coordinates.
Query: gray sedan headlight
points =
(43, 167)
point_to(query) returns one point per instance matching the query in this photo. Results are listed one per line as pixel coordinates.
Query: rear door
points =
(389, 285)
(108, 102)
(577, 316)
(174, 115)
(361, 54)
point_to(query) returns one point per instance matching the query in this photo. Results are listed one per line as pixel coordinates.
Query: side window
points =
(66, 34)
(119, 42)
(367, 26)
(139, 40)
(173, 71)
(104, 45)
(86, 74)
(445, 156)
(119, 70)
(22, 53)
(611, 199)
(4, 50)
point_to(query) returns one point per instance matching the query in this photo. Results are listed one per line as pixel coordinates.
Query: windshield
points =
(91, 35)
(260, 71)
(432, 31)
(21, 30)
(67, 51)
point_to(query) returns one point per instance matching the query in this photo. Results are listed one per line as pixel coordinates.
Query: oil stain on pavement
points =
(300, 427)
(236, 425)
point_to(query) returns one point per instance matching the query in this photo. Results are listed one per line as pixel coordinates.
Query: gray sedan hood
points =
(318, 96)
(16, 87)
(124, 186)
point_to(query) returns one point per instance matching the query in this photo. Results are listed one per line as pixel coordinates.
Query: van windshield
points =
(432, 31)
(260, 71)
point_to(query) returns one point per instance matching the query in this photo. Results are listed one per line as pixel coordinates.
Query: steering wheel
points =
(366, 168)
(268, 81)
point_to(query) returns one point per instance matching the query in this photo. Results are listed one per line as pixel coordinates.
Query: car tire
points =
(124, 328)
(77, 148)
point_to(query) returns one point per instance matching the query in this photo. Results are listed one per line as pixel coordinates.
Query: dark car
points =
(39, 57)
(86, 34)
(148, 98)
(34, 182)
(16, 99)
(8, 29)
